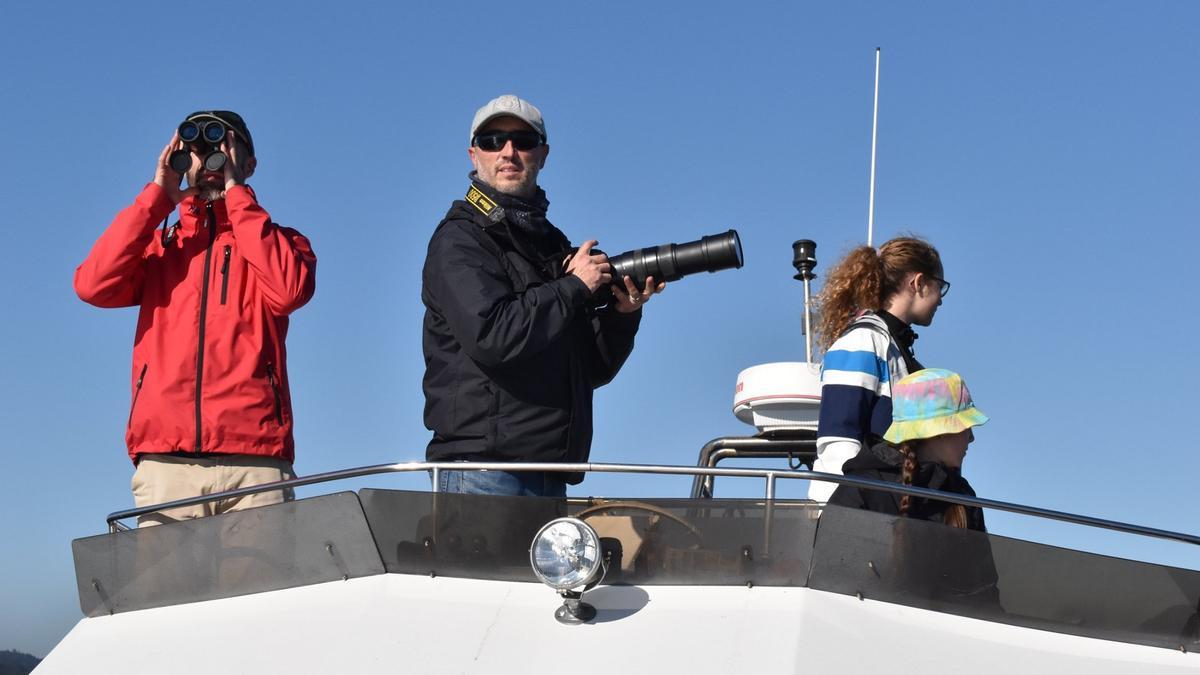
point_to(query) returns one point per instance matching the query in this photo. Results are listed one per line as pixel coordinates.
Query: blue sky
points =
(1047, 149)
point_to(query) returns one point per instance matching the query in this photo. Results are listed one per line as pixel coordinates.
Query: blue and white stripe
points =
(856, 387)
(856, 382)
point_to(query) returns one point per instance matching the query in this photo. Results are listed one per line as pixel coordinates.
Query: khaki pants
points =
(164, 478)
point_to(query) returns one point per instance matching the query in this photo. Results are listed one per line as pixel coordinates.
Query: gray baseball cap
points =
(512, 106)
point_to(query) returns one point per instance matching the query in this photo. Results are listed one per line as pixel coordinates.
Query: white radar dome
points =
(785, 395)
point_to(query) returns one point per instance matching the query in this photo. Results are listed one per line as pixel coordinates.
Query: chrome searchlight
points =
(567, 557)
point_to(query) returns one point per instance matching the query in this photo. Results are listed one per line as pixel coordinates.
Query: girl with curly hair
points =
(867, 308)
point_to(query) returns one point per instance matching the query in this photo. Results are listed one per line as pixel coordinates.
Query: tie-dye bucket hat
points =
(929, 403)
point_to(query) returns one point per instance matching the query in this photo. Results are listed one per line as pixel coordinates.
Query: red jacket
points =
(209, 363)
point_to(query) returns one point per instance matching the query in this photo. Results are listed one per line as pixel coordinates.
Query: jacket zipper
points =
(212, 235)
(275, 391)
(136, 392)
(225, 273)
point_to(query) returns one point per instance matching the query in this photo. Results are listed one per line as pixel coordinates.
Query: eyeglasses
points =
(494, 141)
(943, 285)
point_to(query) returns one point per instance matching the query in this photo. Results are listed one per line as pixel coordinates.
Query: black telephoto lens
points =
(671, 262)
(180, 161)
(189, 132)
(215, 161)
(214, 132)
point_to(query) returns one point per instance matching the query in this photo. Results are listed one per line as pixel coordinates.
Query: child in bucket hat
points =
(930, 403)
(932, 418)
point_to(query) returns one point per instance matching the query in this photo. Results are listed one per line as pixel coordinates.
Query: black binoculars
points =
(204, 134)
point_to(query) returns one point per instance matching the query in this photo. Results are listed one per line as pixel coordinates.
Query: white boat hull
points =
(395, 623)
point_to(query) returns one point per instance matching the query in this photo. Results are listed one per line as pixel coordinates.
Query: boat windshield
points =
(681, 542)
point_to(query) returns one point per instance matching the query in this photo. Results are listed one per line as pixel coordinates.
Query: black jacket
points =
(881, 461)
(512, 348)
(948, 566)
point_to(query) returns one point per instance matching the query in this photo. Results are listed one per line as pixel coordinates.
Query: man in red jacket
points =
(210, 408)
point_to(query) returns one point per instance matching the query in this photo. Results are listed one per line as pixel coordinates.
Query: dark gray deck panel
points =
(308, 541)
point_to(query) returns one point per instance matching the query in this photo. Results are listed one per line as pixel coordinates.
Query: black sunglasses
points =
(493, 141)
(943, 285)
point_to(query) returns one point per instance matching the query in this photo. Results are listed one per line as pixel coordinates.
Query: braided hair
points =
(955, 515)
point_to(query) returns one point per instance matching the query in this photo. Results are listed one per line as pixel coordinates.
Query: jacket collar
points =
(901, 332)
(904, 337)
(879, 455)
(193, 216)
(876, 454)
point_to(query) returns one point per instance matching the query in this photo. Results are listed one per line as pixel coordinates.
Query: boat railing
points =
(797, 446)
(769, 476)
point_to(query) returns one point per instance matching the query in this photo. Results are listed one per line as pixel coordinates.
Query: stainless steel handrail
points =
(800, 444)
(326, 477)
(770, 475)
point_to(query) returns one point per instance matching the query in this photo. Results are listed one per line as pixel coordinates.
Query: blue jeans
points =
(522, 484)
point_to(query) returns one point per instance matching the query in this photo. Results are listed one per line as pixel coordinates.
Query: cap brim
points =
(913, 430)
(489, 118)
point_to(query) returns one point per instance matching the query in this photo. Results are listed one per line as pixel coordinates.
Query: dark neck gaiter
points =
(526, 227)
(526, 215)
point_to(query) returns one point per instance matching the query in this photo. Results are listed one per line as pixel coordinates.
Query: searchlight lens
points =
(566, 554)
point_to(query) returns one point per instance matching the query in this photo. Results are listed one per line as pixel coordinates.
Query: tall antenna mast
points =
(874, 134)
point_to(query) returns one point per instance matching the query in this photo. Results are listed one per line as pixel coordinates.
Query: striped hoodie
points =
(856, 394)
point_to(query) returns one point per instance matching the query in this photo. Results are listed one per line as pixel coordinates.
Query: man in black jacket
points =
(515, 336)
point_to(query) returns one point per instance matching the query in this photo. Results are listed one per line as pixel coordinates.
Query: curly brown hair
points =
(867, 279)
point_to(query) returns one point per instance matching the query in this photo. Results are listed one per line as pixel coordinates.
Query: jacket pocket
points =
(225, 273)
(275, 392)
(137, 390)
